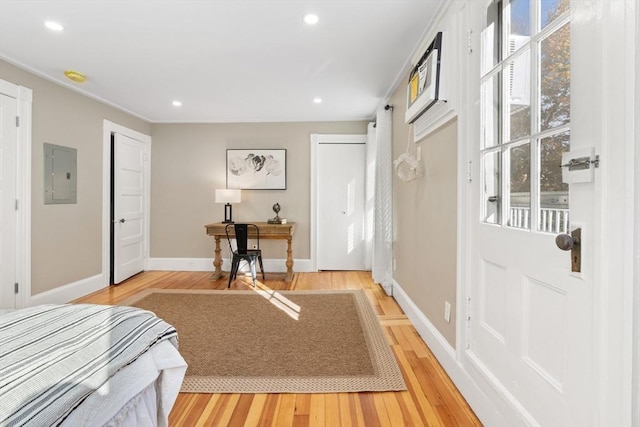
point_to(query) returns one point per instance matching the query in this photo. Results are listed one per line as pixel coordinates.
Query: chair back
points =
(241, 232)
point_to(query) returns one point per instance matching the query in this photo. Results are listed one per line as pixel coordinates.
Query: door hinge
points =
(468, 309)
(469, 46)
(469, 176)
(15, 288)
(17, 121)
(17, 204)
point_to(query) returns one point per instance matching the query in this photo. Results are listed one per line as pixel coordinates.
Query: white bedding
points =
(87, 365)
(141, 394)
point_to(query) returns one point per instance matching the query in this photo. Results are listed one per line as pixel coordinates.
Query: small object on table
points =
(276, 219)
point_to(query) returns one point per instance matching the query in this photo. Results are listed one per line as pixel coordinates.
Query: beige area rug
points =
(277, 341)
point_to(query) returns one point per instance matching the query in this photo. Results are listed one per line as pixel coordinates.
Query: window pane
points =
(491, 91)
(492, 188)
(520, 13)
(555, 84)
(520, 96)
(554, 194)
(491, 38)
(551, 9)
(520, 188)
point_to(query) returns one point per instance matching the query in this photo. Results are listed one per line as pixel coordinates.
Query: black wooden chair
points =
(242, 252)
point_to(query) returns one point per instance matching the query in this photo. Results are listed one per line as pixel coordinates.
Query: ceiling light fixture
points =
(54, 26)
(317, 100)
(176, 104)
(75, 76)
(311, 18)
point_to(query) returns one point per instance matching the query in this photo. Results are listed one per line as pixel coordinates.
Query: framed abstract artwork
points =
(257, 169)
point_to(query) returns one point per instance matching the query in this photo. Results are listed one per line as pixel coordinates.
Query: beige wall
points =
(425, 221)
(188, 163)
(66, 239)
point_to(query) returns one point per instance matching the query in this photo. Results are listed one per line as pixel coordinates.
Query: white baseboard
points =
(180, 264)
(206, 264)
(446, 355)
(67, 293)
(81, 288)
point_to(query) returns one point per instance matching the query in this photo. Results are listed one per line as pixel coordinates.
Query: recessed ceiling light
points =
(176, 104)
(311, 18)
(317, 100)
(54, 26)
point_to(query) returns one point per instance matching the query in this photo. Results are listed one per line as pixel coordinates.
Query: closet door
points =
(341, 200)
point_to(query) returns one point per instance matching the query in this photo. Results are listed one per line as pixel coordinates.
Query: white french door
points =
(8, 213)
(340, 190)
(129, 203)
(532, 330)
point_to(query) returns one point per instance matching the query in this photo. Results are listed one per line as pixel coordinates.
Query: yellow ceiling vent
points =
(75, 76)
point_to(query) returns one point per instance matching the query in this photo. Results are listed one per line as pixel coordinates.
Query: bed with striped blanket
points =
(86, 364)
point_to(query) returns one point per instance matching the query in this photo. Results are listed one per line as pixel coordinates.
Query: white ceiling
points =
(225, 60)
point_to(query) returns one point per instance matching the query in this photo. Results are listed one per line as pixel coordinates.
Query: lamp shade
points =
(224, 195)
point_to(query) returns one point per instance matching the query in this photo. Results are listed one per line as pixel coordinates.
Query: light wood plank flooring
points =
(431, 398)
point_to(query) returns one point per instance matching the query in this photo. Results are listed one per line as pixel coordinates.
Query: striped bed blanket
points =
(52, 357)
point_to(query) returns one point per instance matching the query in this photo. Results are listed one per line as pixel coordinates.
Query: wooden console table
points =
(267, 231)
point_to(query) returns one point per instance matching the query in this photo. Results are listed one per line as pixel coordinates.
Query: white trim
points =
(206, 264)
(70, 292)
(614, 262)
(446, 355)
(108, 128)
(24, 97)
(316, 139)
(433, 119)
(635, 351)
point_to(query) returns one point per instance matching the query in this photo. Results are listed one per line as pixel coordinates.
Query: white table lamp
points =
(228, 196)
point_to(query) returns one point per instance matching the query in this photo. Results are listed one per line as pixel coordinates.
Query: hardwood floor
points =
(431, 398)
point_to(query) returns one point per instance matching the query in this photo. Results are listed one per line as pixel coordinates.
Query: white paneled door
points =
(129, 227)
(533, 324)
(8, 216)
(341, 199)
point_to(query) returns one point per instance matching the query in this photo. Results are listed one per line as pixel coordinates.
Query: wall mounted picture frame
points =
(264, 169)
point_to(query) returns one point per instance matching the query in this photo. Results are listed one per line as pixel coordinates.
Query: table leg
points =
(217, 261)
(288, 277)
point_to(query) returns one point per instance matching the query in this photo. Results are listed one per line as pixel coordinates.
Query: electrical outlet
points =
(447, 311)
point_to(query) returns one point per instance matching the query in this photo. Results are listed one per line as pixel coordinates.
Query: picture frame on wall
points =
(264, 169)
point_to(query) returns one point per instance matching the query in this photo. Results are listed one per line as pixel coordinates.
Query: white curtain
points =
(382, 268)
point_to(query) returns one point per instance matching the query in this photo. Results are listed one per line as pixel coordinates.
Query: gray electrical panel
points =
(60, 174)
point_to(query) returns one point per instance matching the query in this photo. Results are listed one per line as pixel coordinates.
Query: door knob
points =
(571, 242)
(122, 220)
(566, 241)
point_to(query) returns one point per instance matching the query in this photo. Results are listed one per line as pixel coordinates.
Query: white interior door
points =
(341, 200)
(8, 215)
(531, 321)
(129, 219)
